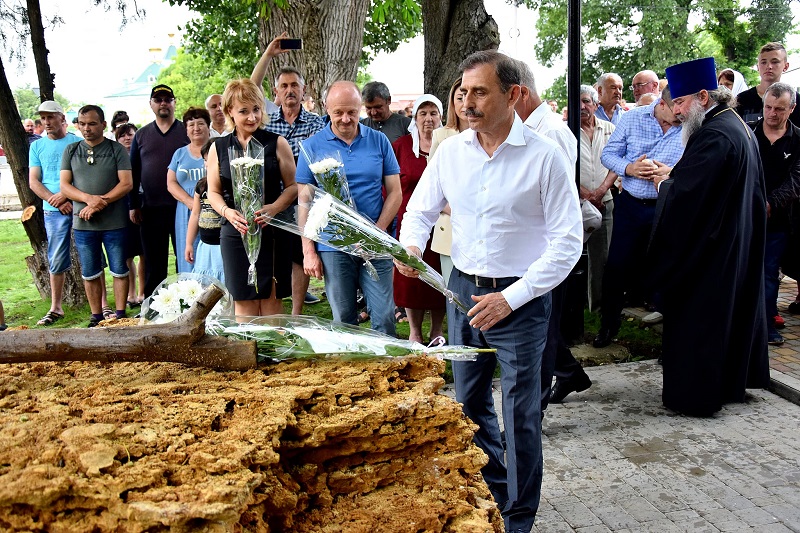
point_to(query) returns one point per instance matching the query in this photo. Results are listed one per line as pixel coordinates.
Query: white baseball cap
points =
(50, 106)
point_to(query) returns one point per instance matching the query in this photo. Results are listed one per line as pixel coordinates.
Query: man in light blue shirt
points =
(370, 165)
(609, 89)
(645, 144)
(44, 180)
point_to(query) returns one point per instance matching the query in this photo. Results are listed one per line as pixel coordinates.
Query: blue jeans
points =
(90, 246)
(515, 482)
(59, 230)
(773, 252)
(344, 274)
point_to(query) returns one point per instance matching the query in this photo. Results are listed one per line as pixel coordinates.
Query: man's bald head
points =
(644, 82)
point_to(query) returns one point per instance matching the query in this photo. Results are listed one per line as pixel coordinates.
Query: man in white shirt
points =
(517, 233)
(557, 358)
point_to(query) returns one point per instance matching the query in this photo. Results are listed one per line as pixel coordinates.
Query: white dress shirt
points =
(544, 121)
(513, 214)
(593, 173)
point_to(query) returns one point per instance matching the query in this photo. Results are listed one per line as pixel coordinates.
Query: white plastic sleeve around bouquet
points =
(326, 220)
(329, 173)
(247, 166)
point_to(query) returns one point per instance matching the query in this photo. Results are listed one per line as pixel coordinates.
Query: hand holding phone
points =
(291, 44)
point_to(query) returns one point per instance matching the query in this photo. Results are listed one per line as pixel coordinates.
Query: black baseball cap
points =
(161, 88)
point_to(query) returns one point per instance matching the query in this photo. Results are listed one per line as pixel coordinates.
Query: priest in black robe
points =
(707, 251)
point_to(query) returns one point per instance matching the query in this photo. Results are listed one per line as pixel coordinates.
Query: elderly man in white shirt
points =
(517, 233)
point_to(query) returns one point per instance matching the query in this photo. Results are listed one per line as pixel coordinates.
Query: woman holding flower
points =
(242, 103)
(412, 154)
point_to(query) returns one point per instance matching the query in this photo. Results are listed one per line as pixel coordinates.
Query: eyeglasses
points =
(640, 85)
(165, 100)
(90, 156)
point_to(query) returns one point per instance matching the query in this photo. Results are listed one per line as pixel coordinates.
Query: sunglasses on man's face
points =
(90, 156)
(164, 100)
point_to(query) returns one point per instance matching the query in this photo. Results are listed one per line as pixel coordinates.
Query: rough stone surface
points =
(307, 447)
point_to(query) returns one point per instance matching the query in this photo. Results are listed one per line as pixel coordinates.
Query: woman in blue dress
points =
(185, 170)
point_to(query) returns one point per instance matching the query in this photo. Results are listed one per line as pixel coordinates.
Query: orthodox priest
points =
(707, 249)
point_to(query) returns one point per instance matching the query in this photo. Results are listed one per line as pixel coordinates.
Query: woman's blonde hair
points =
(452, 113)
(246, 92)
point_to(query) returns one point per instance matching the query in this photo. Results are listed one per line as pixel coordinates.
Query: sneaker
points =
(653, 318)
(778, 322)
(310, 299)
(774, 339)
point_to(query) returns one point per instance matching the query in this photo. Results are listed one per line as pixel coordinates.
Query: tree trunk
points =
(40, 51)
(453, 29)
(332, 33)
(15, 144)
(181, 341)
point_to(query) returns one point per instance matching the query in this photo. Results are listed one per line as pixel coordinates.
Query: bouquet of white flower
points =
(248, 194)
(177, 293)
(330, 176)
(326, 220)
(280, 337)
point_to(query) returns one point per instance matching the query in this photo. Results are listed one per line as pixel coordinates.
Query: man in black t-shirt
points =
(772, 64)
(779, 147)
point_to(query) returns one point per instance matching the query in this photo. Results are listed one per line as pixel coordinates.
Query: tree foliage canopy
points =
(228, 29)
(626, 36)
(28, 102)
(194, 78)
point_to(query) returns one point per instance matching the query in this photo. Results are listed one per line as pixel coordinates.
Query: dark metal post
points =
(572, 315)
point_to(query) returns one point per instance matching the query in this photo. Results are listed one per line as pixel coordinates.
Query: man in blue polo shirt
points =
(369, 164)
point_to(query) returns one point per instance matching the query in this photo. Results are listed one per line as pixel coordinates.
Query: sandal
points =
(108, 312)
(400, 315)
(93, 322)
(50, 318)
(133, 303)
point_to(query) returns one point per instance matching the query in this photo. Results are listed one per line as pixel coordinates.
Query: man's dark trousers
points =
(519, 339)
(633, 222)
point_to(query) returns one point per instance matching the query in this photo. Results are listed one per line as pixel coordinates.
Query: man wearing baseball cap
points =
(154, 209)
(43, 179)
(708, 249)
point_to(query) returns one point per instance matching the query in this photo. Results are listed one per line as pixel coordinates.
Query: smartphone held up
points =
(291, 44)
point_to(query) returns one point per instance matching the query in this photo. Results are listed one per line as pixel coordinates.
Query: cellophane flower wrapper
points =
(281, 337)
(326, 220)
(329, 173)
(177, 293)
(247, 175)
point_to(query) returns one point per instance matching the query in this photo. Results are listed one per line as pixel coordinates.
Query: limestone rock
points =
(323, 446)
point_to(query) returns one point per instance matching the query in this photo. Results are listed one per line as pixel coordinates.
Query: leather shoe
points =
(603, 338)
(564, 387)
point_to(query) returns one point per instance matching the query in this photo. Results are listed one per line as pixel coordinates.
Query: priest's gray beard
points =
(692, 120)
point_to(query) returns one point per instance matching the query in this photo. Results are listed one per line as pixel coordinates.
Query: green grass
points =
(24, 306)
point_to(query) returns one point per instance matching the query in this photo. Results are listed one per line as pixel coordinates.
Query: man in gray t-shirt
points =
(96, 176)
(376, 99)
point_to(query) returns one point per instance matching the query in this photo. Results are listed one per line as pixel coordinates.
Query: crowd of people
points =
(694, 205)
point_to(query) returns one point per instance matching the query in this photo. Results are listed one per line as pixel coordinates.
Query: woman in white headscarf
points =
(733, 80)
(412, 155)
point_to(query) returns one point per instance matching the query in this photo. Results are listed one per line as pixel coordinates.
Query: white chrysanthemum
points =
(188, 290)
(326, 165)
(246, 162)
(166, 301)
(318, 217)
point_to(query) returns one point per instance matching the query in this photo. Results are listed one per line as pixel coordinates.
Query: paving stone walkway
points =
(617, 460)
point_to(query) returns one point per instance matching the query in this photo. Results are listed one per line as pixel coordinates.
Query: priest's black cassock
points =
(707, 251)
